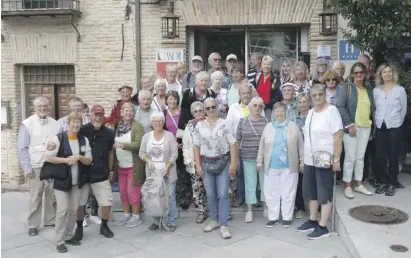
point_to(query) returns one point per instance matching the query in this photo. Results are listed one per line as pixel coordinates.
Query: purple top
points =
(172, 122)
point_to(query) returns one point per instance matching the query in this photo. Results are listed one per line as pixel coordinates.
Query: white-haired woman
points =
(171, 79)
(286, 71)
(339, 68)
(199, 93)
(280, 155)
(215, 152)
(182, 70)
(197, 110)
(159, 151)
(159, 99)
(217, 78)
(144, 109)
(321, 67)
(300, 77)
(248, 136)
(390, 109)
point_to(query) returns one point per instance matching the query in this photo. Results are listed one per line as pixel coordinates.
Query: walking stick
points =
(333, 205)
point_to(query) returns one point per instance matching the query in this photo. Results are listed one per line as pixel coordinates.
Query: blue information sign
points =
(348, 51)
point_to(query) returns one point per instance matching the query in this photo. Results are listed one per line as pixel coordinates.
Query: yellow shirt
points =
(363, 112)
(245, 111)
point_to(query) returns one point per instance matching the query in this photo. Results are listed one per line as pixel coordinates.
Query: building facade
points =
(88, 48)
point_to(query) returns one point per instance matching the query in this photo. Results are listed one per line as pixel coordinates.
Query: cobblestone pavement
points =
(249, 240)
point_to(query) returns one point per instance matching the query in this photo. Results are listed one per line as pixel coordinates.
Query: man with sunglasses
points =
(101, 140)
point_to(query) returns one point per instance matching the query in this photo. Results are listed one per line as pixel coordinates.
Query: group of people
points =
(267, 138)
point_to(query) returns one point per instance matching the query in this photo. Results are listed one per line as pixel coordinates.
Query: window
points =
(40, 4)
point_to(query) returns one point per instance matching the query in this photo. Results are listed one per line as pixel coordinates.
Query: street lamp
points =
(328, 23)
(170, 27)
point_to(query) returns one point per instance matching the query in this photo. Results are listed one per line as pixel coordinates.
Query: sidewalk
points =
(249, 240)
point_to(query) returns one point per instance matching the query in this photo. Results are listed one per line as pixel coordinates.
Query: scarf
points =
(281, 128)
(123, 127)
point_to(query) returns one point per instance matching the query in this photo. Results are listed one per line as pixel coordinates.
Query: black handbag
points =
(56, 171)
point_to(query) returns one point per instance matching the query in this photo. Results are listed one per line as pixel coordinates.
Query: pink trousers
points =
(129, 193)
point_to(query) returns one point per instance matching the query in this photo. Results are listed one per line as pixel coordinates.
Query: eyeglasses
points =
(210, 108)
(258, 106)
(157, 121)
(331, 79)
(198, 111)
(317, 95)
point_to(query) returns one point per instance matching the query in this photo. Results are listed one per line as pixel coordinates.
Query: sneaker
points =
(237, 204)
(318, 233)
(62, 248)
(33, 232)
(124, 220)
(225, 232)
(72, 242)
(95, 219)
(374, 183)
(213, 225)
(382, 189)
(78, 234)
(133, 222)
(299, 214)
(105, 231)
(271, 223)
(170, 228)
(362, 189)
(85, 223)
(348, 193)
(257, 205)
(153, 227)
(265, 212)
(248, 217)
(287, 223)
(308, 226)
(390, 191)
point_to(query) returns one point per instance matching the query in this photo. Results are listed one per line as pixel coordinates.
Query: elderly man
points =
(33, 143)
(255, 67)
(101, 141)
(230, 62)
(76, 105)
(147, 83)
(291, 109)
(214, 60)
(171, 79)
(189, 80)
(366, 61)
(144, 110)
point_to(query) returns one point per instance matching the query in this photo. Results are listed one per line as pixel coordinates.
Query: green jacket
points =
(139, 175)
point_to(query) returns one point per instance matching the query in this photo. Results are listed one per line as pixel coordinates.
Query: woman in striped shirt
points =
(249, 132)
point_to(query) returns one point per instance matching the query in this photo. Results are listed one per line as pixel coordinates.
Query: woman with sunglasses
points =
(215, 155)
(331, 79)
(248, 136)
(197, 110)
(321, 68)
(356, 105)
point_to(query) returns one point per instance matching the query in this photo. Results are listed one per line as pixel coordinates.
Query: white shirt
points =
(323, 127)
(155, 150)
(124, 157)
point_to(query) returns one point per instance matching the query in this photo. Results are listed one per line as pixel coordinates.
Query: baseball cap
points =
(125, 87)
(231, 57)
(97, 109)
(289, 84)
(196, 58)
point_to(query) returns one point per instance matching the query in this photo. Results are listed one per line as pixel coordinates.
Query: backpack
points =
(192, 92)
(155, 196)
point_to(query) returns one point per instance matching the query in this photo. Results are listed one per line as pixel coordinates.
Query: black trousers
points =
(299, 199)
(388, 145)
(370, 162)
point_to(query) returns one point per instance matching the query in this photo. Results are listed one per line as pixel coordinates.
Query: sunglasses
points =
(332, 79)
(198, 111)
(318, 95)
(258, 106)
(210, 108)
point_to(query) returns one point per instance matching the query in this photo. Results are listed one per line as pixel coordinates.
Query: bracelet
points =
(350, 125)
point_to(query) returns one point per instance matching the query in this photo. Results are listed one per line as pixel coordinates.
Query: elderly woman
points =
(238, 74)
(286, 71)
(390, 109)
(159, 151)
(280, 155)
(171, 79)
(300, 77)
(197, 110)
(339, 68)
(130, 168)
(215, 155)
(321, 68)
(221, 94)
(182, 70)
(159, 99)
(115, 115)
(356, 105)
(322, 150)
(144, 110)
(215, 64)
(199, 93)
(248, 136)
(74, 150)
(331, 79)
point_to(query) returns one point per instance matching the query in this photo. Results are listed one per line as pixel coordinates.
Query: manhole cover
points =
(378, 214)
(399, 248)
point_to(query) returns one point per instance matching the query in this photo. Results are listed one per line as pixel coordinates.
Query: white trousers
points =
(280, 188)
(355, 148)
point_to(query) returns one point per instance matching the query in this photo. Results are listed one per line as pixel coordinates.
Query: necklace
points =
(361, 94)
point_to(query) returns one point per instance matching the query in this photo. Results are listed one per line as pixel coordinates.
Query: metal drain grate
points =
(378, 214)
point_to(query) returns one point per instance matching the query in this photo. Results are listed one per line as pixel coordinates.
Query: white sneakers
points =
(134, 221)
(211, 226)
(348, 193)
(359, 189)
(225, 232)
(248, 217)
(125, 219)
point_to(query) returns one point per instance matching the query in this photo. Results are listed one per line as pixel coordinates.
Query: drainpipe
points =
(138, 42)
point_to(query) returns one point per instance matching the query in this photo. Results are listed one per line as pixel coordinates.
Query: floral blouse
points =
(213, 141)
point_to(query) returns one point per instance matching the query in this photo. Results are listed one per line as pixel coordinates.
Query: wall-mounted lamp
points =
(5, 115)
(170, 27)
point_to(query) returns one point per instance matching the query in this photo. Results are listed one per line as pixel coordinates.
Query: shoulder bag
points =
(56, 171)
(321, 159)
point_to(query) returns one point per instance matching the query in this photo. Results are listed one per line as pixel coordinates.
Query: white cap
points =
(289, 84)
(196, 58)
(231, 57)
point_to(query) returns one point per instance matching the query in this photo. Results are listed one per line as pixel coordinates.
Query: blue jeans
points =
(240, 192)
(172, 213)
(218, 201)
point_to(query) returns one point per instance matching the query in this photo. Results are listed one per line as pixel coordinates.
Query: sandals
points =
(201, 218)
